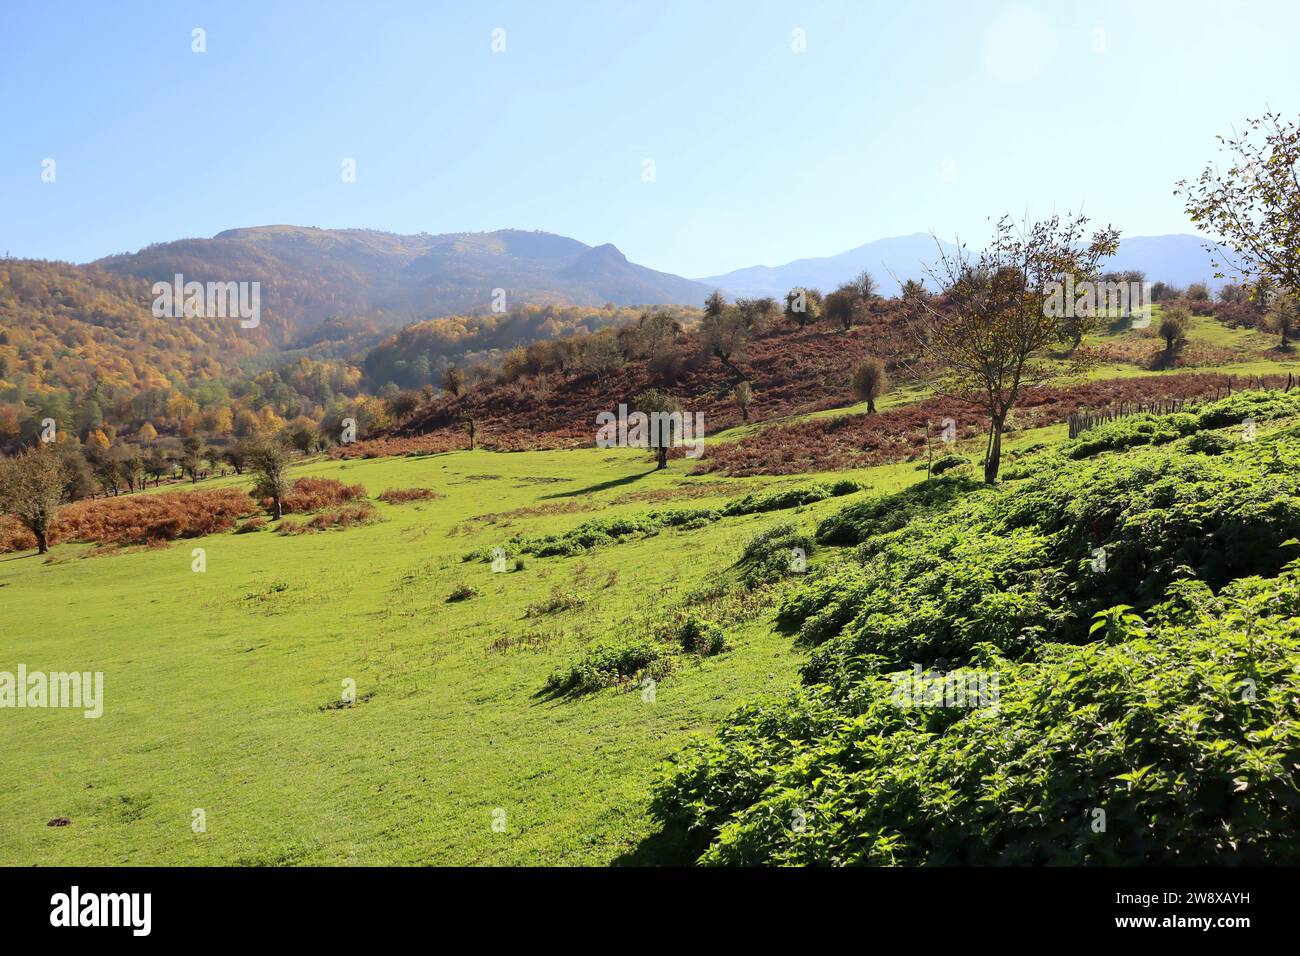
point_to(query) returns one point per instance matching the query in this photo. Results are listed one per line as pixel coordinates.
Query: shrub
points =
(560, 600)
(773, 554)
(1157, 730)
(1209, 443)
(313, 494)
(610, 663)
(698, 636)
(1176, 712)
(890, 512)
(361, 513)
(255, 523)
(145, 518)
(462, 592)
(397, 496)
(946, 463)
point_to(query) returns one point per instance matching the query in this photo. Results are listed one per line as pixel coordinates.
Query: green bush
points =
(701, 637)
(946, 463)
(771, 554)
(610, 663)
(1176, 714)
(890, 512)
(1181, 740)
(1209, 443)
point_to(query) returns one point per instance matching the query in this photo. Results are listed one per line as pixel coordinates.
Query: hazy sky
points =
(896, 118)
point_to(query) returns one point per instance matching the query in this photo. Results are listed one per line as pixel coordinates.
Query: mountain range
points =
(1177, 259)
(309, 275)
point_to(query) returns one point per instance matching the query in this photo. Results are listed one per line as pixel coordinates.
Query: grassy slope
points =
(214, 682)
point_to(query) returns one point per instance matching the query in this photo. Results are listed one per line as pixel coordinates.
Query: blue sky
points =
(896, 118)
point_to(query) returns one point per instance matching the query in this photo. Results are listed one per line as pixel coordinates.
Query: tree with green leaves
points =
(664, 414)
(269, 461)
(870, 381)
(1253, 207)
(33, 484)
(803, 305)
(987, 337)
(193, 451)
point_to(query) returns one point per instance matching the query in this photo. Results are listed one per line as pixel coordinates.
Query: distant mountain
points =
(903, 257)
(1179, 259)
(308, 275)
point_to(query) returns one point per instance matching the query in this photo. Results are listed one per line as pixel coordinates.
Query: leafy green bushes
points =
(773, 554)
(891, 512)
(702, 637)
(610, 663)
(605, 531)
(1175, 744)
(1129, 432)
(1167, 731)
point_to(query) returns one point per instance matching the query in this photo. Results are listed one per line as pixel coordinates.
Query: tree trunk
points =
(42, 543)
(871, 406)
(994, 460)
(277, 509)
(663, 457)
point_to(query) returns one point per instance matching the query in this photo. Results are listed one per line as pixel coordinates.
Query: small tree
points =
(987, 336)
(724, 335)
(269, 461)
(715, 303)
(32, 486)
(842, 306)
(453, 380)
(192, 453)
(1173, 329)
(870, 381)
(602, 355)
(743, 395)
(1282, 319)
(236, 454)
(803, 305)
(865, 286)
(654, 402)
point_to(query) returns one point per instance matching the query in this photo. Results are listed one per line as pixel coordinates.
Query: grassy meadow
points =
(221, 687)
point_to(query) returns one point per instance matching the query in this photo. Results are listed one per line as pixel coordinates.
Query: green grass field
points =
(219, 685)
(222, 687)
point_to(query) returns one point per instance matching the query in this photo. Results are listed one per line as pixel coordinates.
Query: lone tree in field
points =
(652, 402)
(1282, 319)
(987, 336)
(1173, 329)
(743, 395)
(870, 381)
(32, 486)
(269, 461)
(1253, 207)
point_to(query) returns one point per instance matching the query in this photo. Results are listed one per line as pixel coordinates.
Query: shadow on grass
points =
(602, 486)
(670, 846)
